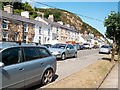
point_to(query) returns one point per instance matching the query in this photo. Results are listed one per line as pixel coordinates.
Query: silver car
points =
(63, 51)
(26, 65)
(105, 49)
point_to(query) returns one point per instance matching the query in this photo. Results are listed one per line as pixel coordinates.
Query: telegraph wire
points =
(72, 12)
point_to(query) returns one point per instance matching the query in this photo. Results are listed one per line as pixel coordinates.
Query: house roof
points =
(59, 25)
(4, 14)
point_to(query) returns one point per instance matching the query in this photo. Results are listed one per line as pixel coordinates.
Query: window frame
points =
(18, 56)
(45, 50)
(4, 23)
(24, 56)
(71, 46)
(25, 27)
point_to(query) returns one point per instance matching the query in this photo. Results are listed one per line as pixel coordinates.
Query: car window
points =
(11, 56)
(59, 46)
(43, 52)
(30, 53)
(71, 47)
(68, 46)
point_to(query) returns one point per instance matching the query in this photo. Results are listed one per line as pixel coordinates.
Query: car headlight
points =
(56, 52)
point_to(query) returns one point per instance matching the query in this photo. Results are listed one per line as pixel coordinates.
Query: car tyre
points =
(47, 77)
(75, 55)
(63, 56)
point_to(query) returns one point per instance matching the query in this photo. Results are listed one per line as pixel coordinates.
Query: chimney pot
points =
(8, 8)
(25, 14)
(51, 17)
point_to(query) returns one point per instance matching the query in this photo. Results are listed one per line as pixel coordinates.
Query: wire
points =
(73, 13)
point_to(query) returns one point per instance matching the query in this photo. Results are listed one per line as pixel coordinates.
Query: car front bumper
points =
(58, 55)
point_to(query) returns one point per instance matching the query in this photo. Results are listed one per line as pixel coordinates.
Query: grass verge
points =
(89, 77)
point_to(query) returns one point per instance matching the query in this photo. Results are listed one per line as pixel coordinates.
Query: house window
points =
(57, 30)
(39, 30)
(25, 37)
(48, 32)
(25, 27)
(39, 40)
(5, 36)
(5, 24)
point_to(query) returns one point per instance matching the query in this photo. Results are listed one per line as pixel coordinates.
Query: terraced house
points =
(58, 32)
(18, 28)
(22, 29)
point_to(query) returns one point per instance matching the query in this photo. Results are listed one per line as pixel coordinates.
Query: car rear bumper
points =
(104, 52)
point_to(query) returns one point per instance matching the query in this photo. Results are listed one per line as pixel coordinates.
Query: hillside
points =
(59, 15)
(69, 18)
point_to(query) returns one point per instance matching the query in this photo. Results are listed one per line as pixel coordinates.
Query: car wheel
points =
(63, 56)
(75, 55)
(47, 77)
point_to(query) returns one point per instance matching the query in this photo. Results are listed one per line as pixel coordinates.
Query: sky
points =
(96, 10)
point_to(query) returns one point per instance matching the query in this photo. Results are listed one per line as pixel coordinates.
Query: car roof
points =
(4, 45)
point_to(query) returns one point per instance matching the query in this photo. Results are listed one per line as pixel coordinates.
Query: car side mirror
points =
(68, 48)
(1, 64)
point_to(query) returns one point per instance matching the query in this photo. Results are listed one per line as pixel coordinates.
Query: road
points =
(72, 65)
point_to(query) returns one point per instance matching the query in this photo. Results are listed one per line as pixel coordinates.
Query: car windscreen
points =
(105, 47)
(59, 46)
(46, 46)
(86, 44)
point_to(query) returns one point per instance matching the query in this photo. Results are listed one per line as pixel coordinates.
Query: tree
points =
(112, 24)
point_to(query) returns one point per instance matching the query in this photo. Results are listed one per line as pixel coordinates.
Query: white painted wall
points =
(44, 31)
(36, 37)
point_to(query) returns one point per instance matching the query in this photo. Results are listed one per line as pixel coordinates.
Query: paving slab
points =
(112, 79)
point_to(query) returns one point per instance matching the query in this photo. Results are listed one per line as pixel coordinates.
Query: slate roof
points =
(59, 25)
(4, 14)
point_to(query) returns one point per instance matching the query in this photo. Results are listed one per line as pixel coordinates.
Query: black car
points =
(82, 47)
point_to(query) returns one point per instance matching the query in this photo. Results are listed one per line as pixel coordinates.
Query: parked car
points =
(105, 49)
(82, 47)
(87, 46)
(25, 65)
(76, 46)
(63, 51)
(47, 45)
(95, 46)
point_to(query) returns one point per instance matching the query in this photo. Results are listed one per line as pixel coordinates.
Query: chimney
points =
(8, 8)
(68, 25)
(72, 27)
(41, 13)
(60, 22)
(25, 14)
(51, 18)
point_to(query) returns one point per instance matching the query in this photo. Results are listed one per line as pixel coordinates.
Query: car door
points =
(68, 51)
(33, 64)
(72, 50)
(13, 70)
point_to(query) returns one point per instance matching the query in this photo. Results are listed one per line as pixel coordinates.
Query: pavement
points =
(112, 79)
